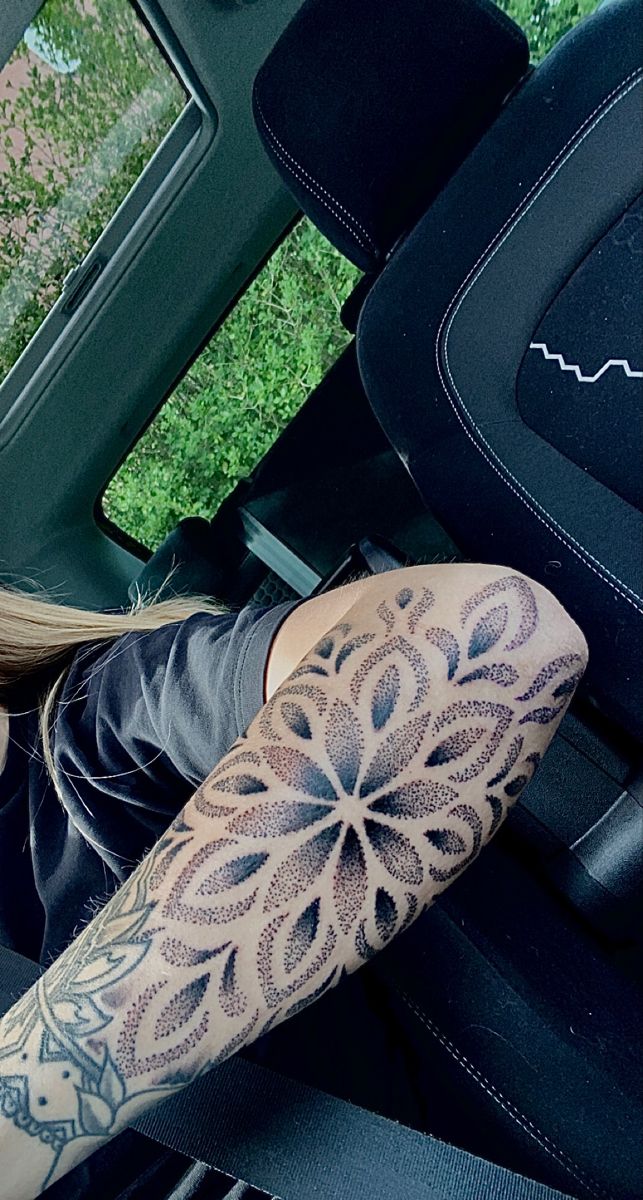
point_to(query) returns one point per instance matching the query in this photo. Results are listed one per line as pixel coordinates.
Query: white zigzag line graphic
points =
(565, 366)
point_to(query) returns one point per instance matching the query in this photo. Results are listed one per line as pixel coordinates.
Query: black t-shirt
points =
(141, 721)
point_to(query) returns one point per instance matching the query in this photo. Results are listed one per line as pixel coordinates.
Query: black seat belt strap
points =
(297, 1143)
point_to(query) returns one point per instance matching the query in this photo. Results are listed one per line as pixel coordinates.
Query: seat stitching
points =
(520, 491)
(568, 1164)
(311, 184)
(311, 189)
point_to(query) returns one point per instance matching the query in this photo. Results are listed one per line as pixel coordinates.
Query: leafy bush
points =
(243, 389)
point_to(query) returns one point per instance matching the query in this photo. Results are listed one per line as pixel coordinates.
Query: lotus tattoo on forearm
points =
(370, 780)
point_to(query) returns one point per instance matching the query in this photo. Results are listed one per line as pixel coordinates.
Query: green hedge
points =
(245, 386)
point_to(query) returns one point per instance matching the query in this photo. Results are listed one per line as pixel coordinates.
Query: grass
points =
(256, 372)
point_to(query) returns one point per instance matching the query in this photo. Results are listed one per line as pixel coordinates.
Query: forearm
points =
(368, 782)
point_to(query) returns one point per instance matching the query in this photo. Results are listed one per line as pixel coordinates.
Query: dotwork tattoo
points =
(369, 781)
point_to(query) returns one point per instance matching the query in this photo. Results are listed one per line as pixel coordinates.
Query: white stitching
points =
(450, 314)
(532, 1130)
(311, 184)
(310, 188)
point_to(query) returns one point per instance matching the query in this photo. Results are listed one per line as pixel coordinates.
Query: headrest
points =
(367, 107)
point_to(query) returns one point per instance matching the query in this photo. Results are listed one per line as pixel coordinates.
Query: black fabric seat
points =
(523, 269)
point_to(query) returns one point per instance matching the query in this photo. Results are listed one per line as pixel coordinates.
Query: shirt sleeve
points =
(166, 703)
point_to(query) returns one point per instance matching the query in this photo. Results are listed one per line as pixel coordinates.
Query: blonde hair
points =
(39, 638)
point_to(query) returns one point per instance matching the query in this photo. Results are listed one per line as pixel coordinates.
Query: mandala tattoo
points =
(370, 780)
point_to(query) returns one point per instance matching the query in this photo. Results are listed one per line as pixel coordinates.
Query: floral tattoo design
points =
(369, 781)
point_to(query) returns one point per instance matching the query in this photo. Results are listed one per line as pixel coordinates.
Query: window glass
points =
(85, 100)
(241, 391)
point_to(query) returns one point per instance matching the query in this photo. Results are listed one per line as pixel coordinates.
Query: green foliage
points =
(236, 398)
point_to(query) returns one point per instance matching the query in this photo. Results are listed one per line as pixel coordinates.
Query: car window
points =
(85, 100)
(251, 378)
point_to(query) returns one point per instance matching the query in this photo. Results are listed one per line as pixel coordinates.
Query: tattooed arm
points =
(372, 777)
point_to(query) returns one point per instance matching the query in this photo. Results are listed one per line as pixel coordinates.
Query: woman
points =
(347, 755)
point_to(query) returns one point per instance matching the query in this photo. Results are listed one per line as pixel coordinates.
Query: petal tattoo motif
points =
(232, 1000)
(395, 852)
(387, 615)
(404, 597)
(488, 631)
(180, 904)
(445, 641)
(420, 609)
(299, 771)
(415, 800)
(511, 759)
(455, 745)
(549, 672)
(301, 867)
(385, 696)
(542, 716)
(239, 785)
(277, 817)
(296, 719)
(350, 880)
(350, 647)
(500, 716)
(325, 648)
(178, 954)
(385, 914)
(181, 1007)
(344, 743)
(395, 753)
(268, 965)
(501, 674)
(234, 872)
(398, 647)
(528, 610)
(301, 936)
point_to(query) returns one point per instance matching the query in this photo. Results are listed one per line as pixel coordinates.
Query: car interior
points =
(486, 408)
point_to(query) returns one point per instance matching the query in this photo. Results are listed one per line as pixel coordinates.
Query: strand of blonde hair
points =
(38, 632)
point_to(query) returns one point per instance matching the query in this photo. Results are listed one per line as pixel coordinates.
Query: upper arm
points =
(306, 625)
(452, 582)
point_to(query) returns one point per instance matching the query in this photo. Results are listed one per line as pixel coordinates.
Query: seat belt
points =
(297, 1143)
